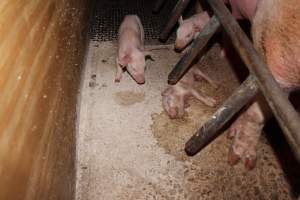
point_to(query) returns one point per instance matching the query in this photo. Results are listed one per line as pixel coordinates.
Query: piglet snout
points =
(140, 79)
(173, 112)
(179, 45)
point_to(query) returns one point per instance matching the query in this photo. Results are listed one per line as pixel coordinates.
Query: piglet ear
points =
(125, 60)
(180, 20)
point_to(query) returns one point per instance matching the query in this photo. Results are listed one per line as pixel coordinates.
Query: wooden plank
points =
(42, 47)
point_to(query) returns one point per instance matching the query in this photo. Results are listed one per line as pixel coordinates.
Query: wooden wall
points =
(41, 50)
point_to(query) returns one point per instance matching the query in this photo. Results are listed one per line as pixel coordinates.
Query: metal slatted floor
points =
(107, 16)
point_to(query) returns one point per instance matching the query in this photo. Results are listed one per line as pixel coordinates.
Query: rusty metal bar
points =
(173, 18)
(284, 112)
(196, 48)
(157, 6)
(210, 130)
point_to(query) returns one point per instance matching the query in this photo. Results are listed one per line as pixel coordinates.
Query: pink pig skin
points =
(175, 97)
(276, 36)
(243, 8)
(131, 53)
(189, 29)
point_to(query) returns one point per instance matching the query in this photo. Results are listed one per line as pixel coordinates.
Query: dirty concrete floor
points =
(127, 148)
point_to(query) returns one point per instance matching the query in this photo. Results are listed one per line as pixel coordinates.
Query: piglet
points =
(131, 52)
(175, 97)
(189, 29)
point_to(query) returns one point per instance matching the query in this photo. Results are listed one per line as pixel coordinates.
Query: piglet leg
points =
(203, 98)
(245, 132)
(181, 107)
(119, 72)
(199, 74)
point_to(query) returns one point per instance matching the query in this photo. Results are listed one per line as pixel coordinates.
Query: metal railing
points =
(260, 78)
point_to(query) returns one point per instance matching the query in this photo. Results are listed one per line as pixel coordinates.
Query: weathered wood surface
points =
(41, 46)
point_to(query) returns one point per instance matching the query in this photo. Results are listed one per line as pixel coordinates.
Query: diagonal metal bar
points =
(196, 48)
(173, 18)
(284, 112)
(210, 130)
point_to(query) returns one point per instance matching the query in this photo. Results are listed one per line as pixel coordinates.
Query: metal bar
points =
(157, 6)
(210, 130)
(173, 18)
(284, 112)
(196, 48)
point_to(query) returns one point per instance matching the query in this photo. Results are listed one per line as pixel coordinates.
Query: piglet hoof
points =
(231, 133)
(233, 158)
(250, 162)
(118, 78)
(209, 101)
(173, 113)
(245, 133)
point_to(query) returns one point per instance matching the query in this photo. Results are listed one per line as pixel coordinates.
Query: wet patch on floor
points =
(128, 148)
(127, 98)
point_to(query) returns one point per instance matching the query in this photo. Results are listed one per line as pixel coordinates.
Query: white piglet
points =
(175, 97)
(190, 28)
(131, 51)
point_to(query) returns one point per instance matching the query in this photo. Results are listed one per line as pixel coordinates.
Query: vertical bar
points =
(210, 130)
(173, 18)
(197, 47)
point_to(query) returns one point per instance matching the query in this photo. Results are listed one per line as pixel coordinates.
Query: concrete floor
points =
(127, 148)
